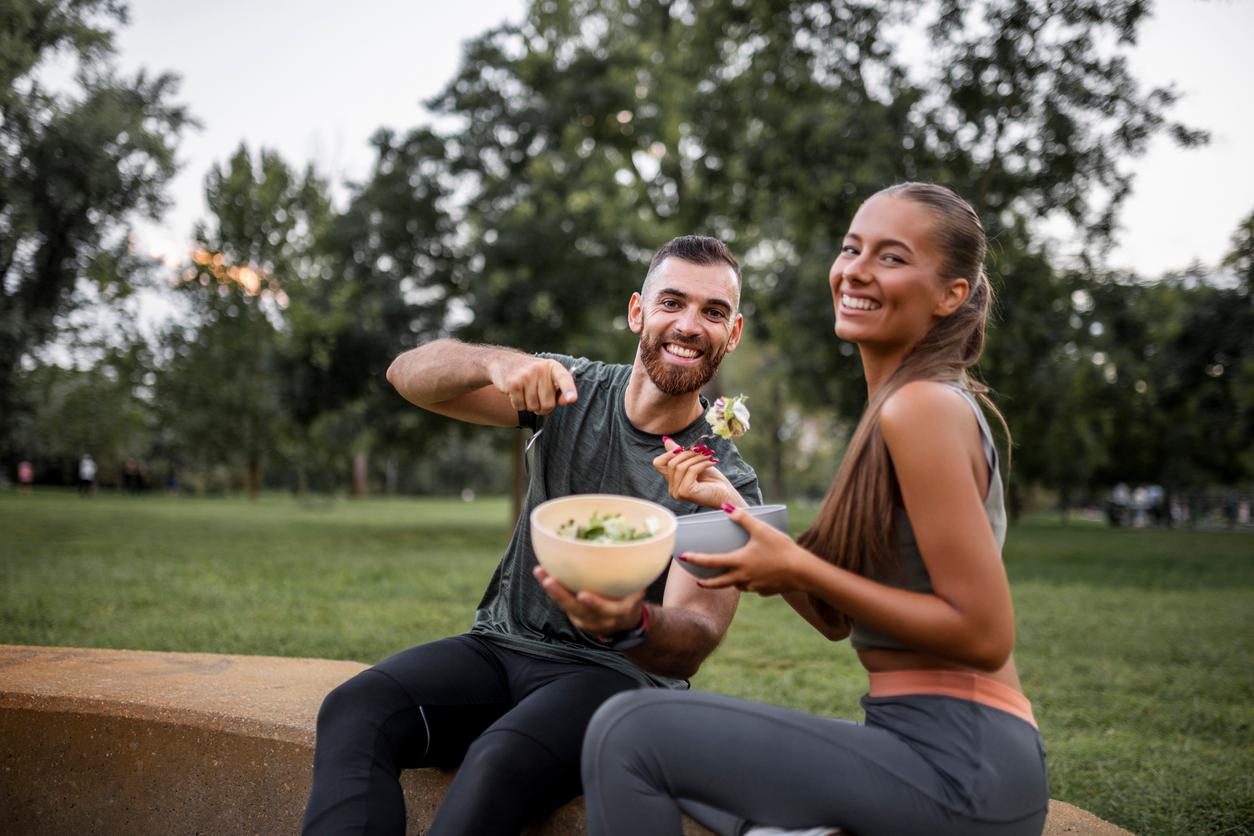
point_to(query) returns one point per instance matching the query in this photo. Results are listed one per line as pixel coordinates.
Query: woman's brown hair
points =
(854, 528)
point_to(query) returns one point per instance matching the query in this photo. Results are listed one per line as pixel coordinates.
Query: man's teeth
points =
(680, 351)
(858, 303)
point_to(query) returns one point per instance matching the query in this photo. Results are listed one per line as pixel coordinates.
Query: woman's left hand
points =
(767, 564)
(692, 477)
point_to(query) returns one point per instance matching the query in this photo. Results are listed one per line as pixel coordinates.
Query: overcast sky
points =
(314, 79)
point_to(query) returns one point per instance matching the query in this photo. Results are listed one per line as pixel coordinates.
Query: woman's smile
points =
(850, 302)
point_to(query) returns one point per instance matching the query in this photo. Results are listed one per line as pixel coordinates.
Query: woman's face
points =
(886, 283)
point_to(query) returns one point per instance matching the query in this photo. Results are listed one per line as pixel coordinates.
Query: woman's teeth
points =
(858, 303)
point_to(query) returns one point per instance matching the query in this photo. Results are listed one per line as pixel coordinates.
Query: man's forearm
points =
(679, 640)
(444, 369)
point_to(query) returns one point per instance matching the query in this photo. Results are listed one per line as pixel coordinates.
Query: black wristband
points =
(627, 639)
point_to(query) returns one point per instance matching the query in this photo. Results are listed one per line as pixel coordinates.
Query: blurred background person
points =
(25, 476)
(86, 475)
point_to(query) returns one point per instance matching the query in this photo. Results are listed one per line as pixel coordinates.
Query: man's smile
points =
(681, 352)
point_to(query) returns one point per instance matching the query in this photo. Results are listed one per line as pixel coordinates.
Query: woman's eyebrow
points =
(887, 242)
(893, 242)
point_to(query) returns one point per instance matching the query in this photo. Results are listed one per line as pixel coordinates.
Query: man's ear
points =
(738, 329)
(955, 293)
(635, 313)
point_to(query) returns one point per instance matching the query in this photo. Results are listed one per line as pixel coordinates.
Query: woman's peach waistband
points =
(958, 684)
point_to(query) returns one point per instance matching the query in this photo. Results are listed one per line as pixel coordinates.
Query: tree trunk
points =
(254, 476)
(777, 441)
(393, 470)
(361, 485)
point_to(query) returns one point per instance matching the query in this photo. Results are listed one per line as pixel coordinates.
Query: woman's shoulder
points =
(925, 407)
(924, 396)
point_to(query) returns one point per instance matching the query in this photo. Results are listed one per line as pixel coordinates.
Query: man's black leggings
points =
(514, 724)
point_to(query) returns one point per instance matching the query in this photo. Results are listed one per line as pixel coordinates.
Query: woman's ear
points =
(955, 293)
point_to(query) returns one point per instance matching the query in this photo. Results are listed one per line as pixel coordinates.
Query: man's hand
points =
(692, 476)
(594, 613)
(533, 384)
(480, 384)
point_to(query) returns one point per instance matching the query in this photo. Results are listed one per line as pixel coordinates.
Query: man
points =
(510, 700)
(86, 475)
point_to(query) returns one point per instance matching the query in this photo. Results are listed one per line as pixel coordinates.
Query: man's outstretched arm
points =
(480, 384)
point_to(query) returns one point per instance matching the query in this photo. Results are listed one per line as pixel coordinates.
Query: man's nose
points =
(688, 322)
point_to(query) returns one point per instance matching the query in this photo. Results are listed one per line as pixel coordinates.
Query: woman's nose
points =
(855, 271)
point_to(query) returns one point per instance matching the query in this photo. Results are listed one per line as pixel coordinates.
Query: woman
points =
(905, 558)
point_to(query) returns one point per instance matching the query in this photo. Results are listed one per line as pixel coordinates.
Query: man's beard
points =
(678, 380)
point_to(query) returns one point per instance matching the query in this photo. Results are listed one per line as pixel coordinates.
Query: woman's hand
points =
(768, 564)
(692, 476)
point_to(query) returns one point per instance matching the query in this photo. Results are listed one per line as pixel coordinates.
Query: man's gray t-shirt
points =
(588, 447)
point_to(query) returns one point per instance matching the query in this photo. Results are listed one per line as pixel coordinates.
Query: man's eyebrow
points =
(679, 294)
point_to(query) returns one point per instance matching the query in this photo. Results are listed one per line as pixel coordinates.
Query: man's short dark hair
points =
(695, 249)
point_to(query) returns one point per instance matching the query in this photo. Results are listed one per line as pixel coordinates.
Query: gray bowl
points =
(713, 532)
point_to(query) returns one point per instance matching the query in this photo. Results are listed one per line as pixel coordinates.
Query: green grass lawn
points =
(1134, 646)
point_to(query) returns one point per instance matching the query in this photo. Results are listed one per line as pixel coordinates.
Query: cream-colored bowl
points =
(611, 569)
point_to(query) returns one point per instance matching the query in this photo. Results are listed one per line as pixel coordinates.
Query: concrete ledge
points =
(111, 741)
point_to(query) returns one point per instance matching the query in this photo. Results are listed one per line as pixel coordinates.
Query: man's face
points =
(687, 321)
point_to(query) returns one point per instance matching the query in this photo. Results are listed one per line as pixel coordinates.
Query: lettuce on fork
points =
(729, 417)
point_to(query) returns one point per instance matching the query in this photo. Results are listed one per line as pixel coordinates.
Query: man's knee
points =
(505, 755)
(367, 698)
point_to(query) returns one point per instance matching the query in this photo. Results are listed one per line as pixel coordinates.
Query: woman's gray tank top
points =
(914, 574)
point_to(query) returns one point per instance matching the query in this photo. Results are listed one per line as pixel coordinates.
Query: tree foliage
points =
(569, 147)
(385, 284)
(74, 165)
(594, 130)
(222, 389)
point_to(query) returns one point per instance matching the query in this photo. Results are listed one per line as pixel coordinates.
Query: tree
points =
(1174, 392)
(386, 284)
(1240, 258)
(1239, 365)
(1034, 110)
(1038, 362)
(595, 129)
(98, 407)
(222, 388)
(74, 165)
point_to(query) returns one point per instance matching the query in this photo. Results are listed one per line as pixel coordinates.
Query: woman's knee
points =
(620, 721)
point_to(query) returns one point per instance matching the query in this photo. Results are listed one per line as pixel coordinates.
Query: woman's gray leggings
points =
(919, 764)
